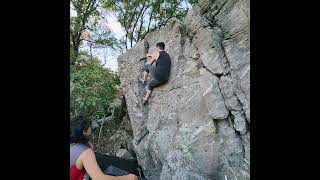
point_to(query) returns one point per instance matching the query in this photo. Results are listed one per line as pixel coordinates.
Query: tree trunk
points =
(141, 25)
(126, 40)
(150, 18)
(76, 44)
(136, 21)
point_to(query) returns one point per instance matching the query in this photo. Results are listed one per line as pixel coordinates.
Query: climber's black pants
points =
(151, 69)
(154, 82)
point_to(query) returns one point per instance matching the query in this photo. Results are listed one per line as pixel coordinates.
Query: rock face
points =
(123, 153)
(197, 125)
(115, 131)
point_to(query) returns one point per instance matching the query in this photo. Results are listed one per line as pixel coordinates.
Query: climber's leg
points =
(145, 75)
(152, 84)
(149, 91)
(149, 69)
(146, 97)
(149, 88)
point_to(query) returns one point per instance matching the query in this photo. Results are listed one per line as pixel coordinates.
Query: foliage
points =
(138, 17)
(87, 26)
(84, 9)
(92, 88)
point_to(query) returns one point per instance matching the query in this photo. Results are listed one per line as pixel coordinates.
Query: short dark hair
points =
(77, 125)
(160, 45)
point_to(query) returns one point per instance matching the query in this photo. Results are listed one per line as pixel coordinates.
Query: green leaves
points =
(138, 17)
(85, 9)
(92, 88)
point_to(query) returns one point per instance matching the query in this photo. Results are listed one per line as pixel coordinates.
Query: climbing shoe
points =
(143, 82)
(145, 102)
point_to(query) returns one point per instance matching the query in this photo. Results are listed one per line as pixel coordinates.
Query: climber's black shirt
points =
(163, 66)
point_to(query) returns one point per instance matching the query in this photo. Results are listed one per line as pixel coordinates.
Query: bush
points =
(92, 88)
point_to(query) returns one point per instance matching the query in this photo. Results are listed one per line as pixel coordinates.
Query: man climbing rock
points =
(158, 66)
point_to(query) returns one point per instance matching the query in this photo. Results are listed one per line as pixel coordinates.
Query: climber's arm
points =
(90, 164)
(155, 56)
(149, 61)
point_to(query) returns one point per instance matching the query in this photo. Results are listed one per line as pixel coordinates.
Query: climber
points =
(82, 157)
(158, 66)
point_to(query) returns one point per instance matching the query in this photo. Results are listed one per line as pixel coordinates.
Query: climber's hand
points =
(149, 61)
(154, 57)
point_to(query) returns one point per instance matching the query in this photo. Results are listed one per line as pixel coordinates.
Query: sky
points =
(107, 54)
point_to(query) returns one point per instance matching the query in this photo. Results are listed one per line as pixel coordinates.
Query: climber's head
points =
(160, 46)
(80, 130)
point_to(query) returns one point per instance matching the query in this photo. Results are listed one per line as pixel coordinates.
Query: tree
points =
(84, 9)
(138, 17)
(86, 26)
(92, 88)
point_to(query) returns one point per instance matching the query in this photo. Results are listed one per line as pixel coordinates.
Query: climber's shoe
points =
(143, 82)
(145, 102)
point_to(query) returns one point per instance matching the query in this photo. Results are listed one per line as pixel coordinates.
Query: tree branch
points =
(91, 51)
(150, 18)
(100, 132)
(136, 21)
(141, 24)
(104, 59)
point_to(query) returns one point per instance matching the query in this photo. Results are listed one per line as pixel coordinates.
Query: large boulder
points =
(123, 153)
(197, 125)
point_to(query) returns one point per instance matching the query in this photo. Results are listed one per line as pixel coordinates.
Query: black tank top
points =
(163, 65)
